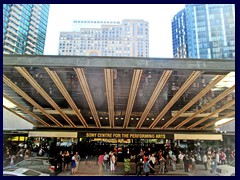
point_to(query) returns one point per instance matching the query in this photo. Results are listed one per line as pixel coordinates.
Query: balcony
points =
(9, 48)
(35, 14)
(14, 20)
(33, 34)
(31, 44)
(13, 13)
(34, 24)
(29, 48)
(9, 42)
(32, 39)
(16, 9)
(12, 31)
(13, 38)
(29, 53)
(18, 5)
(13, 25)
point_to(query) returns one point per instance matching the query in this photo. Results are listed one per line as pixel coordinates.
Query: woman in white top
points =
(112, 163)
(152, 163)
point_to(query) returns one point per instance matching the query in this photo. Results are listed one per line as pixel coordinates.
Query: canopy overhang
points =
(160, 94)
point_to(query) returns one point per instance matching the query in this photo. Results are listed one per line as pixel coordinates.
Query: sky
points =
(159, 17)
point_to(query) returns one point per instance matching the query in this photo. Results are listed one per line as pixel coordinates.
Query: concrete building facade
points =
(207, 29)
(106, 38)
(24, 28)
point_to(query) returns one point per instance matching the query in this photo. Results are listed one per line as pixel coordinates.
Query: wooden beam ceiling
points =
(194, 100)
(108, 73)
(178, 94)
(226, 106)
(21, 116)
(25, 110)
(41, 91)
(66, 95)
(132, 95)
(87, 93)
(159, 87)
(29, 99)
(215, 100)
(216, 120)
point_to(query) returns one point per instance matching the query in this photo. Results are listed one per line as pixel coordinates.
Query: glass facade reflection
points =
(24, 28)
(209, 32)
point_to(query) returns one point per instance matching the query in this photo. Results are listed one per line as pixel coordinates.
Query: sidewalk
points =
(93, 170)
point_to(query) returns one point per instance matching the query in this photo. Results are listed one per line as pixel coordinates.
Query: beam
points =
(41, 91)
(66, 95)
(84, 84)
(215, 100)
(174, 99)
(213, 122)
(29, 99)
(214, 65)
(110, 97)
(25, 110)
(21, 116)
(159, 87)
(194, 100)
(209, 116)
(132, 95)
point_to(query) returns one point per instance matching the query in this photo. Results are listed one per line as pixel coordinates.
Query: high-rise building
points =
(179, 37)
(24, 28)
(106, 38)
(209, 31)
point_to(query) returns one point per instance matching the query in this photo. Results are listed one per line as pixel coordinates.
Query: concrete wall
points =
(13, 122)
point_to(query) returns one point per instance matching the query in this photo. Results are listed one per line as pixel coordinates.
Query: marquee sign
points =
(123, 135)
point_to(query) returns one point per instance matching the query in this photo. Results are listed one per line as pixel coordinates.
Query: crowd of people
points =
(147, 162)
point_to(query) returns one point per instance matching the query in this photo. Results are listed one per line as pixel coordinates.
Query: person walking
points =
(73, 165)
(205, 161)
(126, 164)
(186, 162)
(112, 162)
(161, 163)
(78, 158)
(67, 160)
(180, 157)
(146, 167)
(105, 161)
(100, 163)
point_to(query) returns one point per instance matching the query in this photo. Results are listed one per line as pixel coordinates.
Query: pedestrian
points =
(100, 163)
(152, 162)
(126, 164)
(186, 162)
(161, 163)
(112, 162)
(205, 161)
(193, 162)
(173, 162)
(147, 167)
(139, 167)
(106, 161)
(78, 158)
(180, 157)
(73, 164)
(67, 160)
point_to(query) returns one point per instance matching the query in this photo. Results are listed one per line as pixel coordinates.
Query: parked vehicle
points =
(42, 164)
(226, 170)
(22, 172)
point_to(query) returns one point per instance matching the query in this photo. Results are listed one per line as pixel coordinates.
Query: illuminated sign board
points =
(124, 135)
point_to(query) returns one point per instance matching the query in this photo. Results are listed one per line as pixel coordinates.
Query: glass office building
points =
(24, 28)
(209, 31)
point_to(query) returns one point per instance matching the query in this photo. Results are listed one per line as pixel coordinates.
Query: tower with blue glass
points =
(24, 28)
(209, 31)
